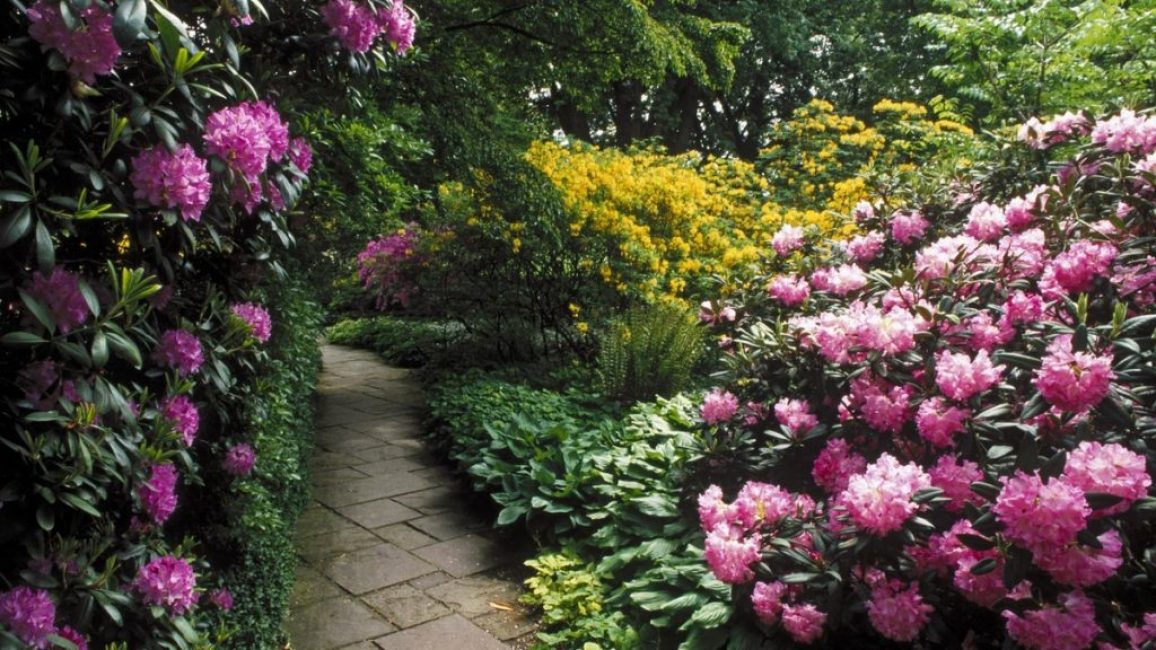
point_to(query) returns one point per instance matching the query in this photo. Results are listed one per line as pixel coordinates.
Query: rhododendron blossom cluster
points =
(177, 180)
(90, 48)
(358, 24)
(167, 581)
(963, 418)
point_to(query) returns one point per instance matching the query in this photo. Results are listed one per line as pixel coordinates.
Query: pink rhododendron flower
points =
(1022, 211)
(879, 500)
(898, 613)
(1077, 565)
(72, 635)
(222, 598)
(30, 614)
(762, 503)
(938, 422)
(840, 280)
(938, 260)
(169, 582)
(795, 415)
(180, 350)
(353, 23)
(985, 222)
(172, 180)
(788, 239)
(1041, 516)
(1138, 635)
(1022, 255)
(730, 554)
(158, 495)
(183, 414)
(865, 248)
(1059, 129)
(256, 319)
(1108, 469)
(1126, 132)
(247, 137)
(883, 406)
(1072, 626)
(301, 154)
(36, 380)
(381, 265)
(961, 377)
(60, 293)
(1137, 282)
(835, 465)
(719, 406)
(955, 477)
(713, 510)
(790, 290)
(399, 26)
(803, 622)
(1074, 270)
(1073, 381)
(1023, 308)
(240, 459)
(90, 50)
(908, 227)
(863, 211)
(767, 599)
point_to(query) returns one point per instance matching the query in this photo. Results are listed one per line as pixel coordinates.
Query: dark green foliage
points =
(650, 351)
(408, 343)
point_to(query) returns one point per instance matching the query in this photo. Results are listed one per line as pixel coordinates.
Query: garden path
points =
(392, 557)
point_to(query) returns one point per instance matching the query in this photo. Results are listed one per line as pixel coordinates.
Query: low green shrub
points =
(650, 351)
(571, 595)
(404, 342)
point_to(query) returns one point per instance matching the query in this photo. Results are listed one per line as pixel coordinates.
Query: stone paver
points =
(394, 554)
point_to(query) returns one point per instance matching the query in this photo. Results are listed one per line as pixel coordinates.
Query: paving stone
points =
(433, 500)
(310, 586)
(448, 525)
(320, 520)
(364, 645)
(405, 606)
(331, 475)
(334, 623)
(318, 548)
(507, 625)
(388, 428)
(351, 445)
(384, 452)
(375, 514)
(398, 465)
(431, 580)
(472, 596)
(327, 460)
(372, 568)
(369, 489)
(466, 555)
(404, 536)
(448, 632)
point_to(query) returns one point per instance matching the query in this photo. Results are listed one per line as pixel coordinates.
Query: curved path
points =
(391, 558)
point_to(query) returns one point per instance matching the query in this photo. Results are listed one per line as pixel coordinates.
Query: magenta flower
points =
(938, 260)
(719, 406)
(762, 503)
(961, 377)
(790, 290)
(865, 248)
(1108, 469)
(353, 23)
(937, 422)
(1071, 626)
(730, 554)
(1041, 516)
(158, 495)
(985, 222)
(767, 600)
(240, 459)
(835, 465)
(1059, 129)
(795, 415)
(60, 293)
(90, 50)
(1077, 565)
(301, 154)
(863, 211)
(30, 614)
(37, 380)
(256, 319)
(908, 227)
(955, 477)
(222, 598)
(840, 280)
(879, 500)
(169, 582)
(884, 406)
(713, 510)
(172, 180)
(180, 350)
(897, 613)
(1126, 132)
(803, 622)
(77, 638)
(247, 137)
(185, 419)
(399, 26)
(1074, 270)
(788, 239)
(1074, 381)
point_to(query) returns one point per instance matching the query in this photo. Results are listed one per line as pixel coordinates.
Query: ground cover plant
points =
(946, 437)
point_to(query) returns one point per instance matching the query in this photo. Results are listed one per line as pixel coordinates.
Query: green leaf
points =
(983, 566)
(1101, 500)
(657, 505)
(21, 338)
(79, 503)
(38, 311)
(45, 517)
(15, 226)
(45, 251)
(99, 349)
(511, 513)
(129, 21)
(986, 490)
(975, 542)
(712, 615)
(1145, 508)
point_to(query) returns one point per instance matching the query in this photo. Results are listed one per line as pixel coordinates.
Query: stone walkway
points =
(393, 556)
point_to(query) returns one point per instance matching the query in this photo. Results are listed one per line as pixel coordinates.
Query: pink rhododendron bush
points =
(155, 351)
(940, 432)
